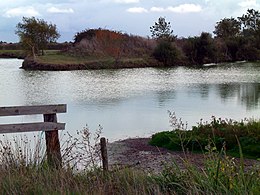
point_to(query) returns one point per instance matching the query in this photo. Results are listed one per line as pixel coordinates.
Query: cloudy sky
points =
(187, 17)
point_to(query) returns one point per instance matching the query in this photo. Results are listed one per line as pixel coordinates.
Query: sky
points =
(187, 17)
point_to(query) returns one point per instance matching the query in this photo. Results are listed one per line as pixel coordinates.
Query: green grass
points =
(218, 131)
(56, 57)
(30, 180)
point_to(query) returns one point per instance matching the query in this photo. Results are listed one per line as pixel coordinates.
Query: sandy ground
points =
(138, 153)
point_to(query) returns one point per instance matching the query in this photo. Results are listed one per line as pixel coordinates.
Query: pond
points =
(134, 102)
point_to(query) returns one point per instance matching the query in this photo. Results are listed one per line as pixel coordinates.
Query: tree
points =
(162, 29)
(200, 50)
(165, 51)
(228, 32)
(250, 20)
(189, 48)
(227, 28)
(35, 34)
(205, 48)
(251, 27)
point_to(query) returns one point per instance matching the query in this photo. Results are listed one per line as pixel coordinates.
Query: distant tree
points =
(35, 34)
(165, 51)
(227, 28)
(203, 48)
(250, 20)
(162, 30)
(189, 48)
(200, 50)
(251, 27)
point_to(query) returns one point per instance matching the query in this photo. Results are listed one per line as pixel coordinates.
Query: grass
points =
(31, 180)
(24, 170)
(56, 57)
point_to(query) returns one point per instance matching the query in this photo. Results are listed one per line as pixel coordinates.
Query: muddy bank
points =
(139, 154)
(30, 64)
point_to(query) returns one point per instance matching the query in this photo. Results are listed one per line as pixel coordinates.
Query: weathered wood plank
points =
(52, 143)
(103, 144)
(28, 127)
(30, 110)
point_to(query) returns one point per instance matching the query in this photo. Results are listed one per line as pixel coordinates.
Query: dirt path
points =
(139, 154)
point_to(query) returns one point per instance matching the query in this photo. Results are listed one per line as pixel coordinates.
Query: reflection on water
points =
(134, 102)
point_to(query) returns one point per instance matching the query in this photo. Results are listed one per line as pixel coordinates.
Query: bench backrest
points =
(50, 126)
(45, 110)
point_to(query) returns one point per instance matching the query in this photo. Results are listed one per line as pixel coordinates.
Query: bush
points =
(167, 53)
(220, 132)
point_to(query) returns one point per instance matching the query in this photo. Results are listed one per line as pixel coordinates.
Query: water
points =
(134, 102)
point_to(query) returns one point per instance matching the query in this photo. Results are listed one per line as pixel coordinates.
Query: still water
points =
(134, 102)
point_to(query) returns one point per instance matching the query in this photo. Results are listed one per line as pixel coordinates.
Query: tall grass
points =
(24, 170)
(220, 175)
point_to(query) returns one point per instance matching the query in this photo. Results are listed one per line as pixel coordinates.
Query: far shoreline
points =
(30, 64)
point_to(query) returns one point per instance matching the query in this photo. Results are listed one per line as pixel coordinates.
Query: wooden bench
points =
(50, 126)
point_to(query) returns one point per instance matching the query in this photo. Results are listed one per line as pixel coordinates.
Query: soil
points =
(139, 154)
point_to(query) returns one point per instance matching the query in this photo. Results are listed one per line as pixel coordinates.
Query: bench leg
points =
(52, 143)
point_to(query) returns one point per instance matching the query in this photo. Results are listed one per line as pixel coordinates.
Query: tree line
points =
(235, 39)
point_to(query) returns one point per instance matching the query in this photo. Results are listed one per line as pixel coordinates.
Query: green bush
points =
(167, 53)
(220, 132)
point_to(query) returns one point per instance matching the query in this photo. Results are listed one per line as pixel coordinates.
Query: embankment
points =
(30, 64)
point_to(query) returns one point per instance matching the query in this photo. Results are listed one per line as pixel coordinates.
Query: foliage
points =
(240, 37)
(220, 132)
(251, 20)
(220, 174)
(204, 48)
(251, 27)
(227, 28)
(109, 43)
(200, 50)
(85, 34)
(162, 30)
(167, 53)
(35, 33)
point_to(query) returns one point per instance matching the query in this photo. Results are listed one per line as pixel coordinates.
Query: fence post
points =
(52, 143)
(104, 153)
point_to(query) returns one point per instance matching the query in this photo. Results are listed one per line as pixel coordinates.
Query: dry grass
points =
(24, 170)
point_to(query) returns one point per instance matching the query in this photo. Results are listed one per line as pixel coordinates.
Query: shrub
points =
(220, 132)
(167, 53)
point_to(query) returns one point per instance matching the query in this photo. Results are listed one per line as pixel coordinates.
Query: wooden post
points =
(52, 143)
(104, 153)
